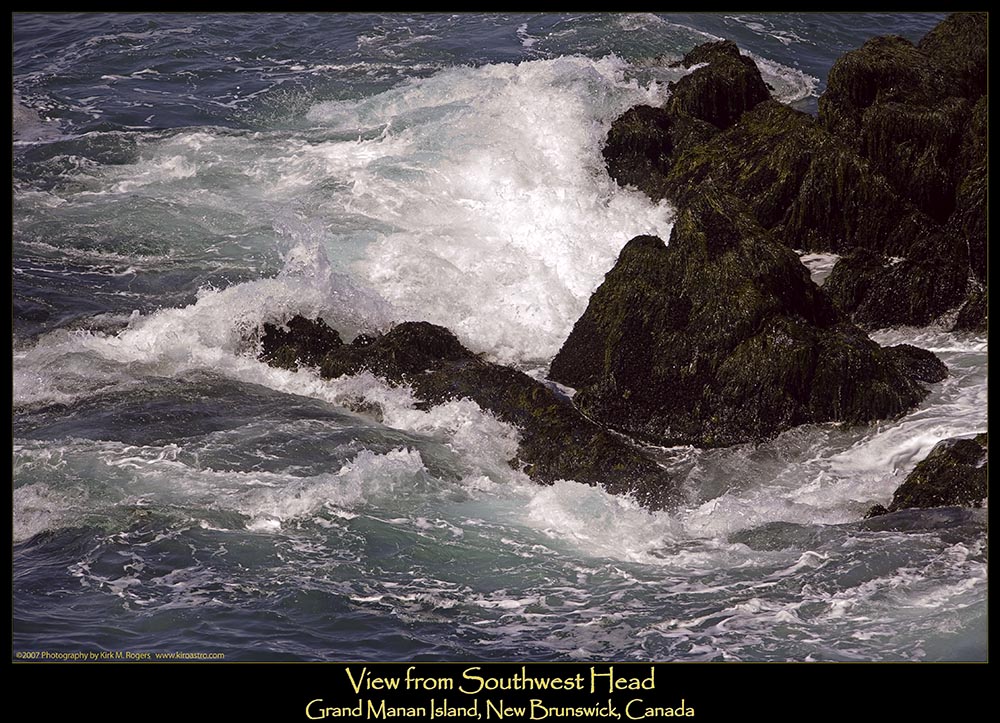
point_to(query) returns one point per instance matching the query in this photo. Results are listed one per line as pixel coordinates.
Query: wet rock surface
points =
(953, 474)
(893, 169)
(720, 337)
(801, 182)
(557, 441)
(723, 88)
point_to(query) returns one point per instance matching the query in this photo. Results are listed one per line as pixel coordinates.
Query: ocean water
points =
(178, 179)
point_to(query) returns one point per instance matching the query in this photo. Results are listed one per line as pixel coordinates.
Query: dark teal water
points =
(180, 178)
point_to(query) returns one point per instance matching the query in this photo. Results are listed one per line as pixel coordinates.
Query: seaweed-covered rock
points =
(886, 69)
(968, 225)
(975, 143)
(893, 175)
(973, 316)
(906, 108)
(879, 292)
(728, 85)
(958, 45)
(641, 142)
(917, 363)
(953, 474)
(638, 147)
(916, 148)
(720, 337)
(944, 270)
(853, 276)
(800, 181)
(300, 341)
(556, 441)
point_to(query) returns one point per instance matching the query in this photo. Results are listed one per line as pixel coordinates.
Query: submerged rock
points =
(720, 337)
(556, 441)
(953, 474)
(301, 340)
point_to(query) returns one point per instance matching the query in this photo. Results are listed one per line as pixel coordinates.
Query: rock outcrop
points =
(958, 45)
(918, 115)
(892, 174)
(557, 442)
(953, 474)
(892, 104)
(801, 182)
(643, 142)
(878, 291)
(720, 337)
(723, 88)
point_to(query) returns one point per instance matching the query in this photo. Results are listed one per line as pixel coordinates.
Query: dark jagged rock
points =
(720, 337)
(557, 442)
(878, 292)
(643, 141)
(974, 144)
(638, 147)
(917, 363)
(953, 474)
(400, 356)
(762, 161)
(969, 222)
(887, 69)
(801, 182)
(906, 108)
(301, 340)
(853, 276)
(973, 314)
(876, 511)
(915, 147)
(959, 45)
(932, 279)
(723, 90)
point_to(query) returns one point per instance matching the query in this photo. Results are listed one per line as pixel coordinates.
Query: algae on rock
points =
(720, 337)
(955, 473)
(895, 166)
(556, 441)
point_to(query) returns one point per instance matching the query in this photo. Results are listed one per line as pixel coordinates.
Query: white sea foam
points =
(503, 217)
(37, 508)
(476, 198)
(820, 265)
(788, 85)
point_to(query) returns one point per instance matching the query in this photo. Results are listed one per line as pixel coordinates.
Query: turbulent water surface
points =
(180, 178)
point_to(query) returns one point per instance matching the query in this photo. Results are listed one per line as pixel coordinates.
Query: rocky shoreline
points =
(719, 337)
